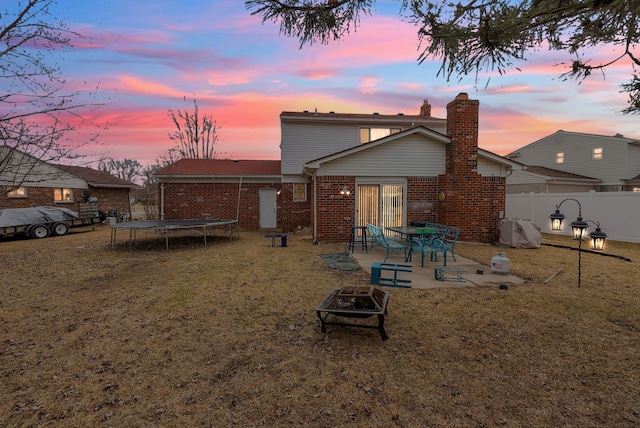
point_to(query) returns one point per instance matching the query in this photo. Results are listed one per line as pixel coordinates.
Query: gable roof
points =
(359, 117)
(554, 173)
(221, 167)
(97, 178)
(421, 130)
(617, 138)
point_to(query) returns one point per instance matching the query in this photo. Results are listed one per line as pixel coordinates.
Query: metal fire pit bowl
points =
(354, 302)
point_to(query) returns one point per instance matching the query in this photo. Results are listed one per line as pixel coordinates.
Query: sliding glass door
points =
(380, 204)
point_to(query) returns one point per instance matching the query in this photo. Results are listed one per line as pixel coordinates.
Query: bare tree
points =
(148, 194)
(196, 136)
(127, 169)
(37, 111)
(472, 36)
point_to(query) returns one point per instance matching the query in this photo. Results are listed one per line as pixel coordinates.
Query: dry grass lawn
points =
(227, 335)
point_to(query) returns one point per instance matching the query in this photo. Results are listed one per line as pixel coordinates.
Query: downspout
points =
(315, 210)
(130, 206)
(161, 201)
(239, 191)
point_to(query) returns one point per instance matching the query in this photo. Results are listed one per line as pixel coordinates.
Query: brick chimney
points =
(462, 128)
(425, 110)
(471, 202)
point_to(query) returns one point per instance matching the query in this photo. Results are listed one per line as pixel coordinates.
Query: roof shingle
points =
(225, 167)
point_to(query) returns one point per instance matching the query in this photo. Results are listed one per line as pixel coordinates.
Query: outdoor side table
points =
(358, 236)
(354, 302)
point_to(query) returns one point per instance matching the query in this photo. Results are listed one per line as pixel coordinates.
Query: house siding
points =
(303, 141)
(413, 155)
(578, 149)
(632, 168)
(487, 168)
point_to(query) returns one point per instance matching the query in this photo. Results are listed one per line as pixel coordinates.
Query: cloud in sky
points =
(148, 57)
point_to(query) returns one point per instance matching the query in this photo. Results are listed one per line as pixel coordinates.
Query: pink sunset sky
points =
(142, 58)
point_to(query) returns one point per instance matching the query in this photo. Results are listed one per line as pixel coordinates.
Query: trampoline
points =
(165, 226)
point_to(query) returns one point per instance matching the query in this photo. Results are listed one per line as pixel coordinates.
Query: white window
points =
(299, 192)
(20, 192)
(560, 157)
(597, 153)
(371, 134)
(63, 195)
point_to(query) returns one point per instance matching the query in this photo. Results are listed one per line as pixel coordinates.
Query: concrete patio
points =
(424, 277)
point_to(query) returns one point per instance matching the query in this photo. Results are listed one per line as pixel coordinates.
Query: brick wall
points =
(335, 212)
(220, 200)
(108, 198)
(43, 196)
(422, 196)
(293, 216)
(36, 196)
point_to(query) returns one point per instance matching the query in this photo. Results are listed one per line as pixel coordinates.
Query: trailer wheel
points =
(59, 229)
(39, 231)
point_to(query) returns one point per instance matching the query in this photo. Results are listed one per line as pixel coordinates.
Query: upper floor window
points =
(299, 192)
(597, 153)
(63, 195)
(560, 157)
(370, 134)
(20, 192)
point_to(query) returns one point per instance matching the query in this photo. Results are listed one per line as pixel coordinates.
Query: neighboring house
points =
(577, 162)
(112, 192)
(27, 182)
(538, 179)
(341, 170)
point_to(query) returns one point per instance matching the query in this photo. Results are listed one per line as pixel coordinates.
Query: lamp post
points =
(579, 231)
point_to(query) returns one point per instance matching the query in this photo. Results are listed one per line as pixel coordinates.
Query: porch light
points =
(345, 191)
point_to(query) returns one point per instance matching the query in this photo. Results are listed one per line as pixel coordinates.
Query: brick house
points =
(216, 188)
(28, 182)
(340, 170)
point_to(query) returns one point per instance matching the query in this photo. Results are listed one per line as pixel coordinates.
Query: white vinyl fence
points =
(617, 212)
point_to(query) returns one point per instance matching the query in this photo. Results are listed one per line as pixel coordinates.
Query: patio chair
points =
(391, 246)
(432, 244)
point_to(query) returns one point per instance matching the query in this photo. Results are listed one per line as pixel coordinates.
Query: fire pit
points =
(354, 302)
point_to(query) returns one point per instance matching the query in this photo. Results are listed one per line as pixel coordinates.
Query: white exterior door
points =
(268, 209)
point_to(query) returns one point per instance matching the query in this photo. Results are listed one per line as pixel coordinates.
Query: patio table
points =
(410, 232)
